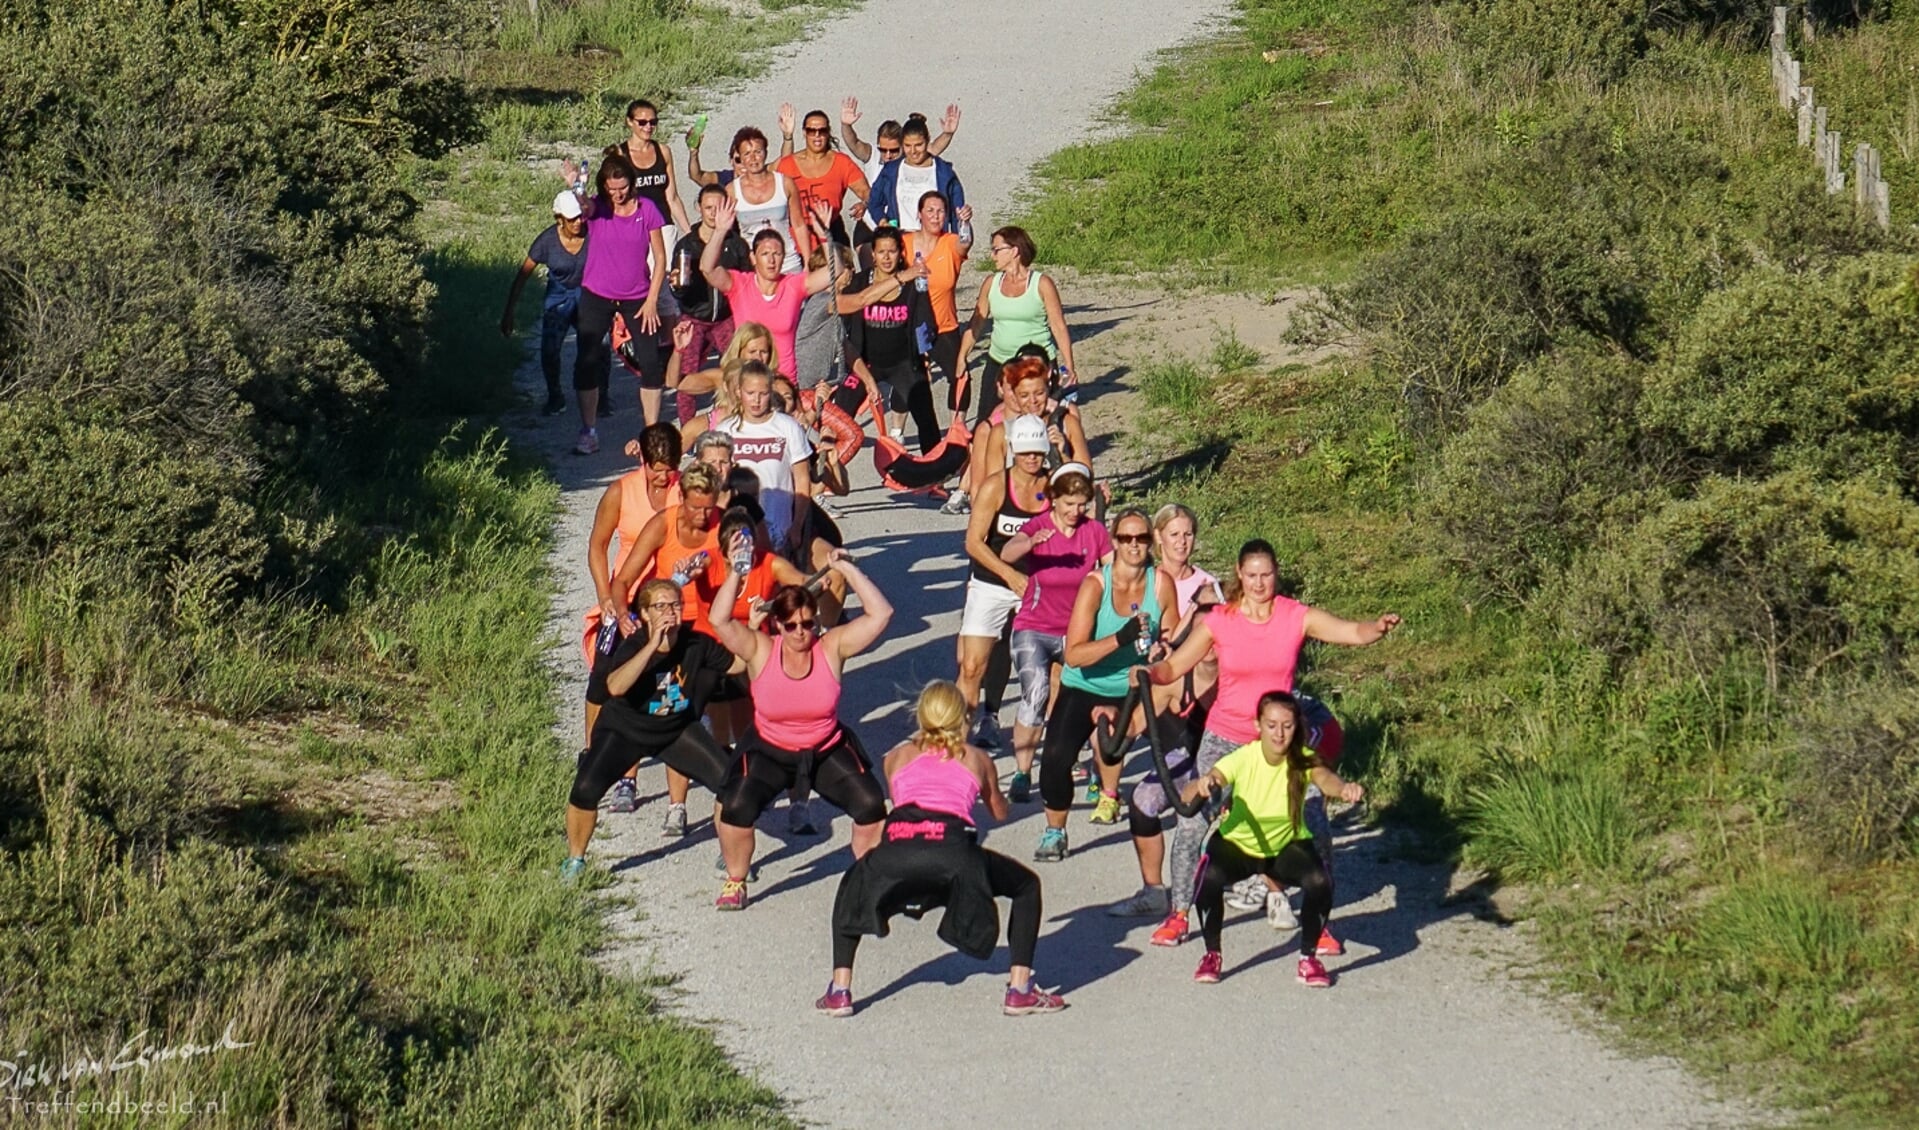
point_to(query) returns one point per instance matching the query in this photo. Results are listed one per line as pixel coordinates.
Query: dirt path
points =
(1427, 1027)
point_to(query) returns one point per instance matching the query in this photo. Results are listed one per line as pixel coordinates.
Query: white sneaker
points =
(1279, 912)
(1247, 894)
(956, 503)
(1149, 902)
(674, 826)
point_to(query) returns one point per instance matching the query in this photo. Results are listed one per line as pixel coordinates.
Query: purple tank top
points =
(938, 784)
(617, 248)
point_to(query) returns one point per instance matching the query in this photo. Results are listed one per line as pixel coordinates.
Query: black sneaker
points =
(555, 404)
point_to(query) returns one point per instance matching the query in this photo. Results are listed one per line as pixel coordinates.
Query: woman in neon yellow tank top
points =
(1024, 307)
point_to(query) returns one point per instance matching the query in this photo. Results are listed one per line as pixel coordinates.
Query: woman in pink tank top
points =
(929, 858)
(798, 738)
(1256, 637)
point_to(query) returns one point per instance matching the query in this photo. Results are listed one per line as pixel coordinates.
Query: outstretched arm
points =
(949, 125)
(1185, 657)
(1332, 784)
(1327, 628)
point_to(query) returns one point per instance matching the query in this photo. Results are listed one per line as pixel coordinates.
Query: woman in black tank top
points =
(652, 164)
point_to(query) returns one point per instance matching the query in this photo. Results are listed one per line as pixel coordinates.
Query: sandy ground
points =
(1429, 1024)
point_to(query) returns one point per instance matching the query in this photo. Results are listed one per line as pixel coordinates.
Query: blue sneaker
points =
(571, 870)
(1052, 846)
(1020, 790)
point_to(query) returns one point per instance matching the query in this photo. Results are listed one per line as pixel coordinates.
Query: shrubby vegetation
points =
(1628, 433)
(275, 744)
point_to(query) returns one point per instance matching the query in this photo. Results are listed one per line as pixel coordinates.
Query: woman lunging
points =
(929, 856)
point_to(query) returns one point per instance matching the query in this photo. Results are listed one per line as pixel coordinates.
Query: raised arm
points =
(1327, 628)
(855, 636)
(621, 679)
(738, 638)
(849, 114)
(718, 277)
(700, 177)
(786, 131)
(949, 125)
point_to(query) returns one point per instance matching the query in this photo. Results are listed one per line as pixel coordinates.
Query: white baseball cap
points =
(1027, 436)
(566, 206)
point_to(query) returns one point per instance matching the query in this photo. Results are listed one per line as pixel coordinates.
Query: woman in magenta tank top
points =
(1255, 636)
(929, 857)
(797, 736)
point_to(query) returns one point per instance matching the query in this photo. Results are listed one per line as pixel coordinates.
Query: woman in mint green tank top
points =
(1024, 307)
(1114, 628)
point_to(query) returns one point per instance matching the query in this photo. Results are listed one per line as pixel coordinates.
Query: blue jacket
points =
(882, 208)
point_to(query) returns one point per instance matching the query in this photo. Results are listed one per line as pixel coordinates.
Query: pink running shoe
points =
(732, 895)
(837, 1002)
(1021, 1002)
(1329, 946)
(1313, 975)
(1172, 931)
(1209, 965)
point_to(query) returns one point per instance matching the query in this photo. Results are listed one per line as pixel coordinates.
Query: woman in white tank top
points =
(778, 203)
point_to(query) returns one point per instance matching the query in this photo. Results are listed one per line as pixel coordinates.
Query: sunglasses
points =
(820, 131)
(893, 152)
(801, 625)
(644, 121)
(1132, 539)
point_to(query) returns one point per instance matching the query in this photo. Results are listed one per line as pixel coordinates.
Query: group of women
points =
(717, 643)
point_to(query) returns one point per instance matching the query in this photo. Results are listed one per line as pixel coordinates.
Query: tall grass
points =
(1552, 822)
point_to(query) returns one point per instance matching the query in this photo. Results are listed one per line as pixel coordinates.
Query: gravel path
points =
(1426, 1028)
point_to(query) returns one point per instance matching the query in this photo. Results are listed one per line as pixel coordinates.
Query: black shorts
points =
(838, 772)
(617, 748)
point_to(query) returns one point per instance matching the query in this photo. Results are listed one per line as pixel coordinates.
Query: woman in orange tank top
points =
(730, 709)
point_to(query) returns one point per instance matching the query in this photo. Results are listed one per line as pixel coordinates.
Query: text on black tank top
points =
(1007, 521)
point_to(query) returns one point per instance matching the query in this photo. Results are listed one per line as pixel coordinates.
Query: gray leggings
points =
(1034, 654)
(1189, 834)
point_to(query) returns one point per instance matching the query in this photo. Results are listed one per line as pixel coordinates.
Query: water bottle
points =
(966, 232)
(1144, 644)
(609, 637)
(686, 265)
(580, 181)
(919, 261)
(742, 560)
(698, 132)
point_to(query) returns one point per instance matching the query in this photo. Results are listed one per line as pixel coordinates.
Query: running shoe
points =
(1149, 902)
(1020, 790)
(1329, 946)
(1105, 810)
(674, 826)
(732, 895)
(752, 869)
(957, 504)
(1279, 911)
(1247, 894)
(1092, 792)
(1082, 774)
(1209, 966)
(626, 796)
(1031, 999)
(837, 1002)
(799, 819)
(555, 404)
(1172, 931)
(1052, 846)
(589, 442)
(574, 866)
(986, 731)
(1313, 975)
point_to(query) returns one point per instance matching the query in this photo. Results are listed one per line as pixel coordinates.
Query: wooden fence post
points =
(1805, 116)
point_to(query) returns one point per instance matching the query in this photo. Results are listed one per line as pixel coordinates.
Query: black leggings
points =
(1067, 729)
(1296, 865)
(839, 774)
(912, 393)
(1009, 880)
(988, 390)
(590, 362)
(693, 753)
(945, 358)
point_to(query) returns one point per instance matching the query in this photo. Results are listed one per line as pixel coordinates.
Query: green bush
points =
(1542, 465)
(1801, 572)
(1598, 38)
(1569, 817)
(1808, 370)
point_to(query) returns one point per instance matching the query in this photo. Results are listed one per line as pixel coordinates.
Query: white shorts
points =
(988, 608)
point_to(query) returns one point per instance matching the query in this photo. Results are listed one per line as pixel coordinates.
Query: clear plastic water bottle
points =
(742, 559)
(966, 231)
(580, 181)
(609, 637)
(919, 261)
(1144, 644)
